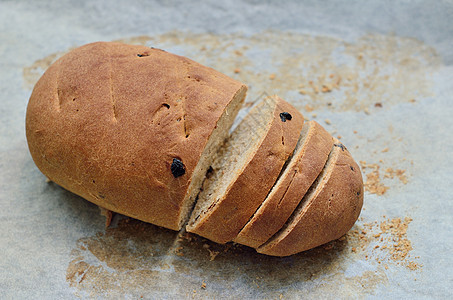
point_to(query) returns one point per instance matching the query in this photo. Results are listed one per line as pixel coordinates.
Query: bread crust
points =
(329, 214)
(106, 121)
(284, 197)
(222, 222)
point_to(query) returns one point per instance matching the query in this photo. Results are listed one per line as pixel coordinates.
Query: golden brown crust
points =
(329, 214)
(284, 197)
(106, 124)
(223, 222)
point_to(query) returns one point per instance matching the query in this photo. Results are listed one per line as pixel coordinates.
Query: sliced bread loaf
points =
(246, 169)
(307, 162)
(327, 211)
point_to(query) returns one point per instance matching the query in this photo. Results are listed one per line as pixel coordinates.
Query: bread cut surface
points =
(304, 166)
(246, 169)
(131, 128)
(328, 210)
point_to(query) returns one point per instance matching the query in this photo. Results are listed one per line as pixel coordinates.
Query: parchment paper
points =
(378, 74)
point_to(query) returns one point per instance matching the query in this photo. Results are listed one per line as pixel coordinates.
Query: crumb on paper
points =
(272, 76)
(108, 214)
(327, 121)
(308, 108)
(237, 70)
(302, 92)
(384, 241)
(203, 285)
(385, 150)
(326, 88)
(212, 254)
(178, 251)
(373, 181)
(378, 104)
(401, 174)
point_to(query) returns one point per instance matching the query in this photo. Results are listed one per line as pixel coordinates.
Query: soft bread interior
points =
(314, 190)
(234, 156)
(218, 135)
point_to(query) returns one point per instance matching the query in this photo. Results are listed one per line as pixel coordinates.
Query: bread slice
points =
(327, 211)
(245, 169)
(130, 128)
(307, 162)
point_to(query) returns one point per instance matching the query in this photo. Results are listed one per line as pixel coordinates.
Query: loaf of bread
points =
(146, 133)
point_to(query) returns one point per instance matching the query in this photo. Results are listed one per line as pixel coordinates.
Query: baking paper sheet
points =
(377, 74)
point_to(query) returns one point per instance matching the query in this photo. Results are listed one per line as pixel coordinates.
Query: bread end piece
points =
(328, 210)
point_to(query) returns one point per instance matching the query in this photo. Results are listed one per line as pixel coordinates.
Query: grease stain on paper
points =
(135, 258)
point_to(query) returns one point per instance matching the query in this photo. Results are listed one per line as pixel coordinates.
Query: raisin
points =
(285, 116)
(177, 168)
(340, 145)
(209, 172)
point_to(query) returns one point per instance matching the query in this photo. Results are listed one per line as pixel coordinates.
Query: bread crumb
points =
(373, 182)
(378, 104)
(302, 92)
(391, 173)
(212, 254)
(314, 115)
(237, 70)
(108, 214)
(203, 285)
(355, 131)
(272, 76)
(326, 88)
(309, 108)
(385, 150)
(339, 136)
(178, 251)
(327, 121)
(238, 53)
